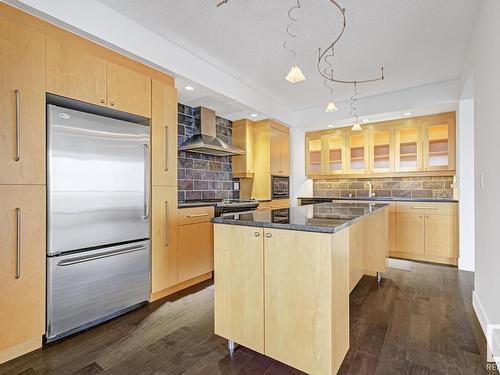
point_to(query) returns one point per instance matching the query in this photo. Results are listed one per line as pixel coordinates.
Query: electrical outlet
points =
(481, 179)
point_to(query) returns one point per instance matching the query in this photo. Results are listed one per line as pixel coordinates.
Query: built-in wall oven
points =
(280, 187)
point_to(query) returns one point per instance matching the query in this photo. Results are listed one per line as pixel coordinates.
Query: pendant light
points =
(331, 106)
(295, 75)
(356, 127)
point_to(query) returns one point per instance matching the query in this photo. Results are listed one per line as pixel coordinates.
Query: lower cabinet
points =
(22, 270)
(427, 232)
(164, 238)
(195, 242)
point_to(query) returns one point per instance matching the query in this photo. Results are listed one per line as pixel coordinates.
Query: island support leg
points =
(379, 278)
(231, 345)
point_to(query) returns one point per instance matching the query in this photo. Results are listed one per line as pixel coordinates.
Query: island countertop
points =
(327, 217)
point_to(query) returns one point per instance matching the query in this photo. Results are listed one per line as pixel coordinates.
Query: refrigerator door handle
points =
(83, 259)
(146, 182)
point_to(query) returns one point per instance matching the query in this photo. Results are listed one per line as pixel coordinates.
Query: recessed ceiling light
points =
(189, 88)
(407, 114)
(365, 120)
(331, 126)
(254, 115)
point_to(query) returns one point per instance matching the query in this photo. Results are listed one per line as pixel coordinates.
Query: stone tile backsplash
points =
(417, 187)
(203, 176)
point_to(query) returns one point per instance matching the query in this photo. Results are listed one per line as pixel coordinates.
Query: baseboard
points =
(176, 288)
(20, 349)
(482, 317)
(465, 266)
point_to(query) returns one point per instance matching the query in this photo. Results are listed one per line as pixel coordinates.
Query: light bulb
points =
(331, 106)
(356, 127)
(295, 75)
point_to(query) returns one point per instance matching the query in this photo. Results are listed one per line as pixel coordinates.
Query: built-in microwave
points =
(280, 187)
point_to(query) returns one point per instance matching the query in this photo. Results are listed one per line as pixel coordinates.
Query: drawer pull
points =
(166, 148)
(167, 236)
(256, 234)
(269, 235)
(18, 125)
(18, 244)
(424, 208)
(196, 215)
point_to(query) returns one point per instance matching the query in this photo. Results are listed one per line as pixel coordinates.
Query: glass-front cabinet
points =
(357, 145)
(382, 149)
(408, 147)
(314, 165)
(438, 139)
(334, 145)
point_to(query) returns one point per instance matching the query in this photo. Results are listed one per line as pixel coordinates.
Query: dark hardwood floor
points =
(418, 322)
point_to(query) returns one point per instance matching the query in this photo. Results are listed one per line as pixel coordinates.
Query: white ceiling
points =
(418, 42)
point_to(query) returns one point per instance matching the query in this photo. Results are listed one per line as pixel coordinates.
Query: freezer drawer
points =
(86, 288)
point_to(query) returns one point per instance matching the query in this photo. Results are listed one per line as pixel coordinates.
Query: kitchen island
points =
(283, 278)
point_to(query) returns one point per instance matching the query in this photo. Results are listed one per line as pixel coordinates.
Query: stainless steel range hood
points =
(206, 141)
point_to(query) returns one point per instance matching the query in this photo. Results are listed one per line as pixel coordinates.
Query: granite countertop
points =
(384, 199)
(327, 217)
(203, 203)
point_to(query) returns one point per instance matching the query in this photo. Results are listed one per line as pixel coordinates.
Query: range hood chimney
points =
(205, 140)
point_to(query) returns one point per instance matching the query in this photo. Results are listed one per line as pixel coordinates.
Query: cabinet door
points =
(74, 73)
(164, 238)
(196, 249)
(410, 233)
(357, 151)
(127, 90)
(164, 135)
(275, 152)
(441, 236)
(314, 156)
(239, 284)
(242, 137)
(382, 150)
(22, 105)
(439, 144)
(408, 148)
(334, 148)
(284, 140)
(22, 271)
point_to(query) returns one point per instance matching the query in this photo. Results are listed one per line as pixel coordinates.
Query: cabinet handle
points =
(112, 104)
(424, 208)
(167, 234)
(18, 243)
(146, 181)
(102, 100)
(256, 234)
(269, 235)
(166, 148)
(18, 125)
(196, 215)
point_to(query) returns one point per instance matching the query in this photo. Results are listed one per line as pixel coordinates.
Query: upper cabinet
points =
(243, 138)
(280, 151)
(439, 143)
(164, 134)
(22, 104)
(408, 147)
(420, 145)
(77, 74)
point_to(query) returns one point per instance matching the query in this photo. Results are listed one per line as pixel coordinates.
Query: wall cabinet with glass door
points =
(357, 151)
(408, 147)
(439, 143)
(314, 156)
(382, 149)
(335, 148)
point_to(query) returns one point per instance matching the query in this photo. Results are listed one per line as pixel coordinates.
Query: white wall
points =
(300, 186)
(465, 181)
(485, 52)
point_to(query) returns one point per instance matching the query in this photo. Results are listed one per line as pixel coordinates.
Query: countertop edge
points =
(384, 199)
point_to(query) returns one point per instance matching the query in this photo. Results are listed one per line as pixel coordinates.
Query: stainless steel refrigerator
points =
(98, 251)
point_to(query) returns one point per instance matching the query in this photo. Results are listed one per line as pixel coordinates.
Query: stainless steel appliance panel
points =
(97, 180)
(88, 287)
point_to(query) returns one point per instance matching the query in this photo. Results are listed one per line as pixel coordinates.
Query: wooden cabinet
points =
(408, 148)
(22, 271)
(426, 231)
(22, 104)
(195, 242)
(410, 233)
(75, 73)
(381, 149)
(78, 74)
(127, 90)
(314, 164)
(164, 252)
(274, 204)
(239, 301)
(335, 152)
(280, 152)
(164, 134)
(357, 151)
(242, 137)
(439, 143)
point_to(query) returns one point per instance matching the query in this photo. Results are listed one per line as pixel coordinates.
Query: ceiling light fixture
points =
(365, 120)
(189, 88)
(331, 107)
(253, 115)
(331, 126)
(295, 74)
(356, 127)
(407, 114)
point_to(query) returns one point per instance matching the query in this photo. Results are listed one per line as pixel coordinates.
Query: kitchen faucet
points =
(370, 190)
